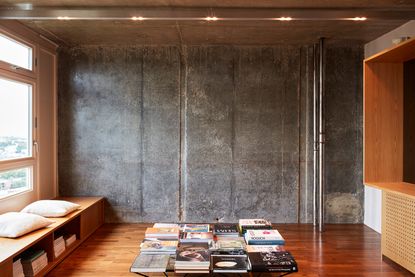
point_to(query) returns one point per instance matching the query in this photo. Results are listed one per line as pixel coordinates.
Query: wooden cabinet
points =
(82, 223)
(389, 163)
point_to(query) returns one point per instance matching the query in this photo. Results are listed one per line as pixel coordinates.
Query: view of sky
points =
(15, 100)
(15, 53)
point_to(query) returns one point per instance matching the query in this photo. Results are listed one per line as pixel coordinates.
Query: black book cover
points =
(229, 263)
(273, 261)
(225, 228)
(193, 252)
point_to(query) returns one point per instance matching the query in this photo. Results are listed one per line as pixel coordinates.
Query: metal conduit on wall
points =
(319, 136)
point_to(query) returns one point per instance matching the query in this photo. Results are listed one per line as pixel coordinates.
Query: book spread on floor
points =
(150, 263)
(193, 248)
(227, 263)
(272, 262)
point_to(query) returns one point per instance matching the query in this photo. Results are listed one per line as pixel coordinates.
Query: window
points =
(15, 120)
(15, 53)
(15, 181)
(17, 134)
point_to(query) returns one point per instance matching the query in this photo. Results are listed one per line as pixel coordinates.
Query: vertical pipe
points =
(315, 135)
(321, 137)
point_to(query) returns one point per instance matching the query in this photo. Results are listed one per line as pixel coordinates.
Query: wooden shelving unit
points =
(388, 146)
(82, 222)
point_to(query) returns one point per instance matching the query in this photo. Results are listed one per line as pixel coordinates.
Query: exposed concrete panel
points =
(207, 133)
(344, 130)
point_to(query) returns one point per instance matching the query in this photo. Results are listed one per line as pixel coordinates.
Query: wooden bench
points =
(82, 222)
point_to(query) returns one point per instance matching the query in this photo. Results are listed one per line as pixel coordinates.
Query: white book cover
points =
(263, 235)
(254, 222)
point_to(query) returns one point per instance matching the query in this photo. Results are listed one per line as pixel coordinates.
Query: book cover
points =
(150, 263)
(263, 237)
(254, 222)
(265, 248)
(196, 228)
(230, 244)
(158, 246)
(165, 225)
(227, 263)
(225, 229)
(196, 236)
(193, 252)
(273, 261)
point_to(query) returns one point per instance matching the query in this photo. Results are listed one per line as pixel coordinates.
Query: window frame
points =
(14, 68)
(19, 163)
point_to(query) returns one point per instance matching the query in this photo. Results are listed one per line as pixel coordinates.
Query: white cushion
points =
(51, 208)
(14, 224)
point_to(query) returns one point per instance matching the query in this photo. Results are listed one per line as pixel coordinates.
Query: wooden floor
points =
(342, 250)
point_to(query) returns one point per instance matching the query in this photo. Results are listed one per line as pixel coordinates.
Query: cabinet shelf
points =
(82, 222)
(407, 189)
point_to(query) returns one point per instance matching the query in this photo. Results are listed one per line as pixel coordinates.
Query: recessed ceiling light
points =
(211, 18)
(137, 18)
(359, 18)
(64, 17)
(284, 18)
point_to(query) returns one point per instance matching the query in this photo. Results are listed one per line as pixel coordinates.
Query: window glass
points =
(15, 181)
(15, 53)
(15, 120)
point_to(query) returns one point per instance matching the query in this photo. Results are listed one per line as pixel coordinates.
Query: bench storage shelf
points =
(82, 222)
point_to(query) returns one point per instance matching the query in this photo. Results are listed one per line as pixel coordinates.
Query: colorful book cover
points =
(196, 228)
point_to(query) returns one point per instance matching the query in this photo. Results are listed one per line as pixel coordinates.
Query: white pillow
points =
(51, 208)
(14, 224)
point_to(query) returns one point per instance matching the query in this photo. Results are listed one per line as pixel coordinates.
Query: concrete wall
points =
(373, 197)
(202, 133)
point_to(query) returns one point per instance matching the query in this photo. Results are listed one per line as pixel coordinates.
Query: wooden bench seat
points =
(82, 222)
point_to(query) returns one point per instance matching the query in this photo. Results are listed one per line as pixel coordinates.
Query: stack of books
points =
(69, 239)
(273, 261)
(192, 258)
(58, 246)
(254, 224)
(229, 256)
(159, 247)
(226, 230)
(150, 263)
(162, 233)
(264, 237)
(18, 268)
(34, 261)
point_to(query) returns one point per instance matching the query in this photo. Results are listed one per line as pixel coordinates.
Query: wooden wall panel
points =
(383, 122)
(409, 122)
(47, 124)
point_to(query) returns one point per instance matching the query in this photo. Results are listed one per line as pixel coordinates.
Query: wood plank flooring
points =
(342, 250)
